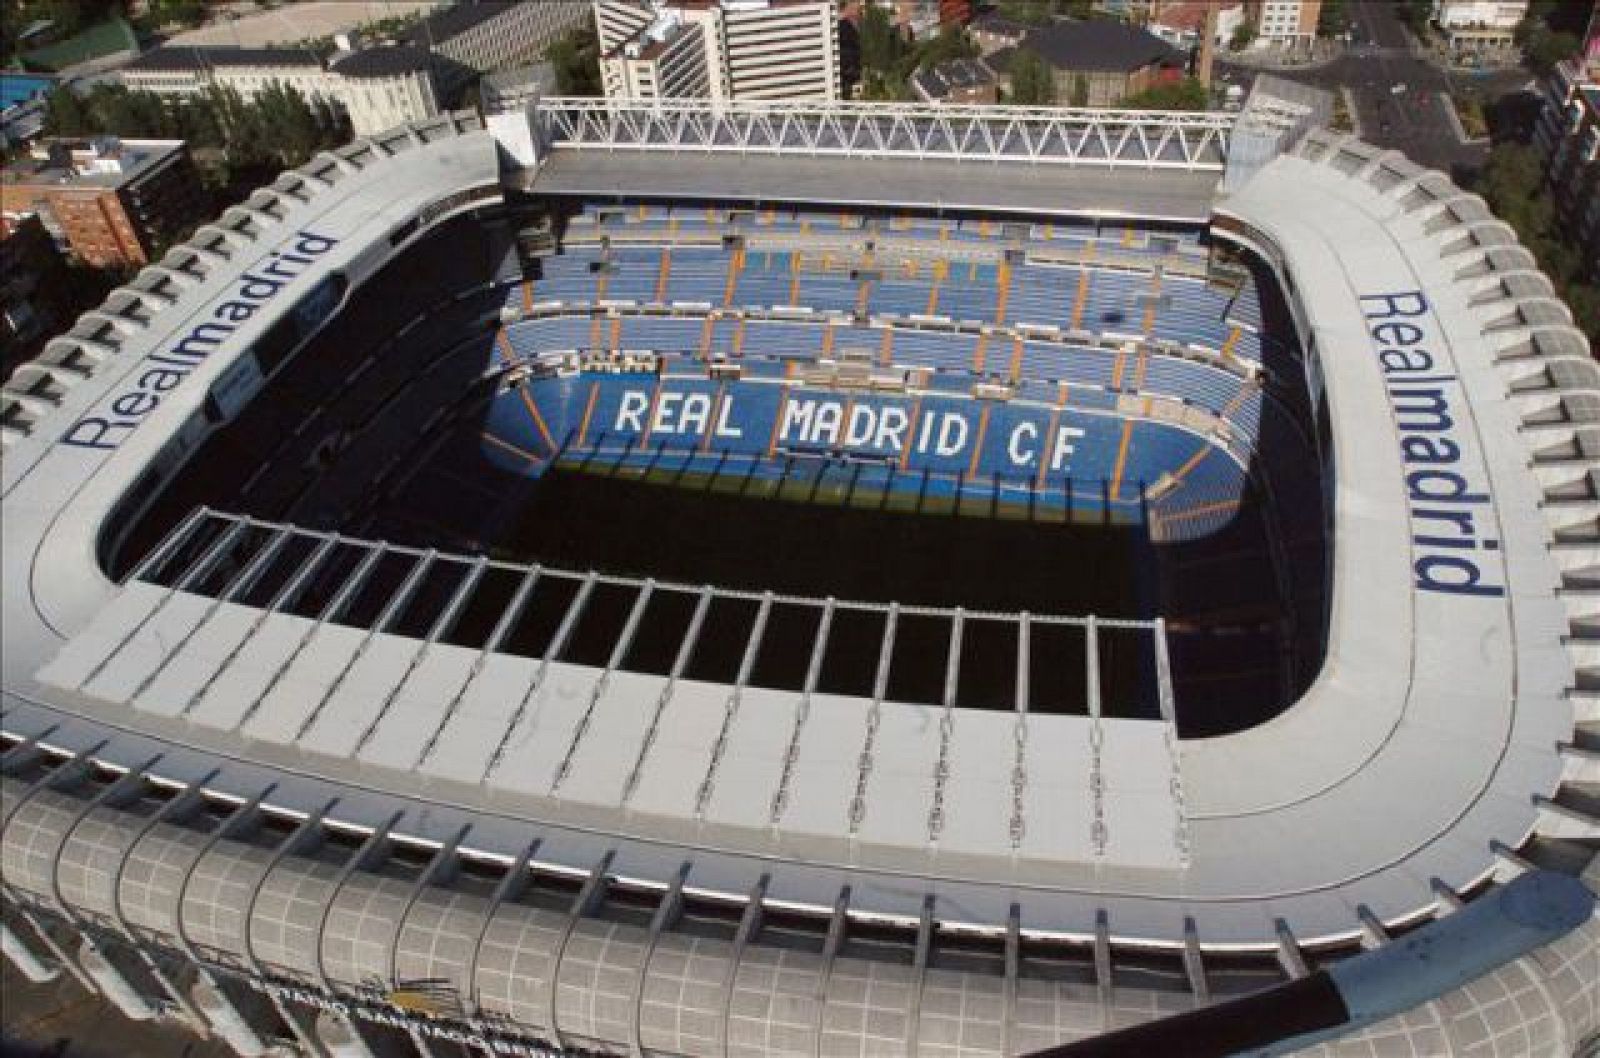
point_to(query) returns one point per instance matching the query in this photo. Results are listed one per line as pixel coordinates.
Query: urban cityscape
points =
(799, 527)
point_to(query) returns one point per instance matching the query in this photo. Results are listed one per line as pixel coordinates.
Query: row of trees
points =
(278, 128)
(1512, 182)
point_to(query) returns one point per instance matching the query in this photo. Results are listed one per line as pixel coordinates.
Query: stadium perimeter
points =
(1089, 873)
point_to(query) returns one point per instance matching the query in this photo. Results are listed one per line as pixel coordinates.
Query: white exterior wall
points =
(1479, 14)
(750, 52)
(789, 52)
(372, 104)
(519, 35)
(1284, 21)
(378, 103)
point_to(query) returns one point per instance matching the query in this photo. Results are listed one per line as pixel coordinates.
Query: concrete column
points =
(31, 965)
(227, 1021)
(113, 984)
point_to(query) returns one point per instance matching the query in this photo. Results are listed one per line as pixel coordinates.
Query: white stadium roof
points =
(1429, 749)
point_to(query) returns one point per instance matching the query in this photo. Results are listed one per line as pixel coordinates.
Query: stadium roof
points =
(1168, 195)
(1443, 711)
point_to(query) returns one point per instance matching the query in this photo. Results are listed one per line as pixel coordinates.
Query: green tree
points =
(576, 59)
(1333, 19)
(1033, 83)
(951, 42)
(1512, 182)
(66, 114)
(1545, 48)
(1187, 94)
(1242, 37)
(882, 46)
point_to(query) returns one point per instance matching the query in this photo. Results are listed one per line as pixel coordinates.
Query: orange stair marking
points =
(911, 434)
(1005, 293)
(1116, 371)
(538, 420)
(1016, 359)
(979, 354)
(735, 264)
(503, 340)
(886, 347)
(1122, 458)
(977, 444)
(1085, 277)
(1233, 340)
(588, 413)
(527, 296)
(1049, 445)
(661, 277)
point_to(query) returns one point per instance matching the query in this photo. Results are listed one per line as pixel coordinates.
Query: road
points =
(1397, 93)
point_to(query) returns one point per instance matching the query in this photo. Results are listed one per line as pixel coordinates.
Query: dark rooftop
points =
(382, 61)
(188, 57)
(455, 20)
(939, 81)
(1097, 45)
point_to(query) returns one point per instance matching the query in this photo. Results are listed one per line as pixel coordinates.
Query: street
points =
(1397, 93)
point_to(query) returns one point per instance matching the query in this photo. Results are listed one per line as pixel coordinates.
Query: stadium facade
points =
(359, 835)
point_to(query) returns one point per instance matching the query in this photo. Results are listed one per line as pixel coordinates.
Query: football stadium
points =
(817, 580)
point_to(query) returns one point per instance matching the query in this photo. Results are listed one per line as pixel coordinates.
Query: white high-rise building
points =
(1479, 24)
(727, 49)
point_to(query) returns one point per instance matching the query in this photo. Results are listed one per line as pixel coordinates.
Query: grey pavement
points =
(1400, 95)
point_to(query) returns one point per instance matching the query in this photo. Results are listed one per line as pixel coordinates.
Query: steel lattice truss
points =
(1132, 138)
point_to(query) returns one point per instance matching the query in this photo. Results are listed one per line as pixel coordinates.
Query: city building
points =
(722, 49)
(22, 106)
(376, 87)
(478, 36)
(177, 70)
(957, 81)
(30, 289)
(1479, 25)
(515, 88)
(382, 87)
(1568, 135)
(1097, 63)
(992, 31)
(1284, 21)
(1182, 22)
(921, 19)
(115, 203)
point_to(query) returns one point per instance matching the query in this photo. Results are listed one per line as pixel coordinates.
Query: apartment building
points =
(1568, 135)
(376, 88)
(1285, 21)
(114, 202)
(476, 36)
(719, 49)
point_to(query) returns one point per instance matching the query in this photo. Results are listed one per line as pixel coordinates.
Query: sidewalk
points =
(1275, 57)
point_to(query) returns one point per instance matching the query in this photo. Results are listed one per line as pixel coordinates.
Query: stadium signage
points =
(380, 1014)
(1447, 538)
(859, 427)
(162, 372)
